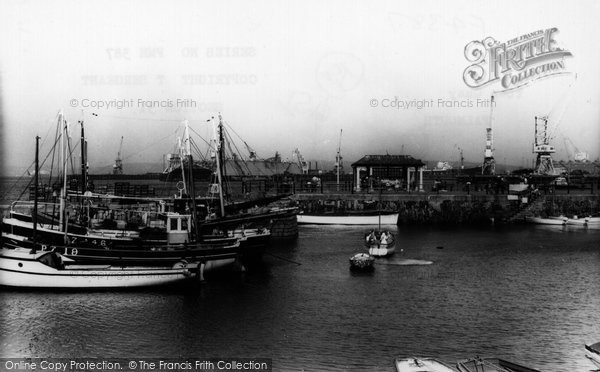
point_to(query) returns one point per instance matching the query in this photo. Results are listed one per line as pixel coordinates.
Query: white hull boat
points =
(417, 364)
(350, 219)
(547, 221)
(22, 268)
(380, 246)
(382, 251)
(592, 352)
(584, 221)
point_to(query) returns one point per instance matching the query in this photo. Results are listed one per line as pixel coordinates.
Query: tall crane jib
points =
(118, 167)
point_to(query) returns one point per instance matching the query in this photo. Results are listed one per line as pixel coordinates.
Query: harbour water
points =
(529, 294)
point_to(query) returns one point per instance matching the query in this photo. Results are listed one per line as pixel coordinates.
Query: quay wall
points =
(427, 208)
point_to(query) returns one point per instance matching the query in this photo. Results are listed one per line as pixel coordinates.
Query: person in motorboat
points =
(384, 238)
(371, 238)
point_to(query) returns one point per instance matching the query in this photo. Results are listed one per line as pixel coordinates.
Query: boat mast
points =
(338, 161)
(60, 155)
(222, 157)
(182, 164)
(63, 193)
(379, 210)
(35, 200)
(83, 161)
(217, 145)
(188, 149)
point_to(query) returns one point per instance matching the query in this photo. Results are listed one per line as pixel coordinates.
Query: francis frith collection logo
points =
(516, 62)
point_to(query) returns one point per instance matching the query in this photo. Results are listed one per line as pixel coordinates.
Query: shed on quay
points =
(398, 169)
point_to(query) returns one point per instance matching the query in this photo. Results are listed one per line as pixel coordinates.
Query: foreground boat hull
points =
(21, 269)
(491, 365)
(416, 364)
(386, 219)
(592, 352)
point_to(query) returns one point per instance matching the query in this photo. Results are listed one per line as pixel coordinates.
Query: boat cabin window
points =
(178, 223)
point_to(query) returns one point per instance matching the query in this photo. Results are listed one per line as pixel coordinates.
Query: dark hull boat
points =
(220, 253)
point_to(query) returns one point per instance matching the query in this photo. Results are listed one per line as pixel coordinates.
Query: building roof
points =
(389, 161)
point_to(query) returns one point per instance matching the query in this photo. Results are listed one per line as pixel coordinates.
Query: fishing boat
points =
(478, 364)
(421, 364)
(180, 238)
(592, 352)
(24, 268)
(358, 218)
(362, 262)
(547, 221)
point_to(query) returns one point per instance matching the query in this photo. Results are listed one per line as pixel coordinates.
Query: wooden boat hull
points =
(417, 364)
(362, 262)
(592, 352)
(313, 219)
(19, 268)
(491, 365)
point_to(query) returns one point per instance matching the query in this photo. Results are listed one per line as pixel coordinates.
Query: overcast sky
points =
(289, 75)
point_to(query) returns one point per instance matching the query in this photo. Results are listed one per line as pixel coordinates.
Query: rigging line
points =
(139, 119)
(53, 150)
(200, 156)
(566, 99)
(14, 185)
(71, 154)
(198, 134)
(238, 151)
(246, 161)
(240, 137)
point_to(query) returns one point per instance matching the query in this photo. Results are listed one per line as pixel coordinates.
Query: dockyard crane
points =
(118, 167)
(543, 134)
(301, 162)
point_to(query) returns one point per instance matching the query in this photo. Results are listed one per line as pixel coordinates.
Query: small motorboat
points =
(24, 268)
(362, 262)
(592, 352)
(380, 244)
(478, 364)
(422, 364)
